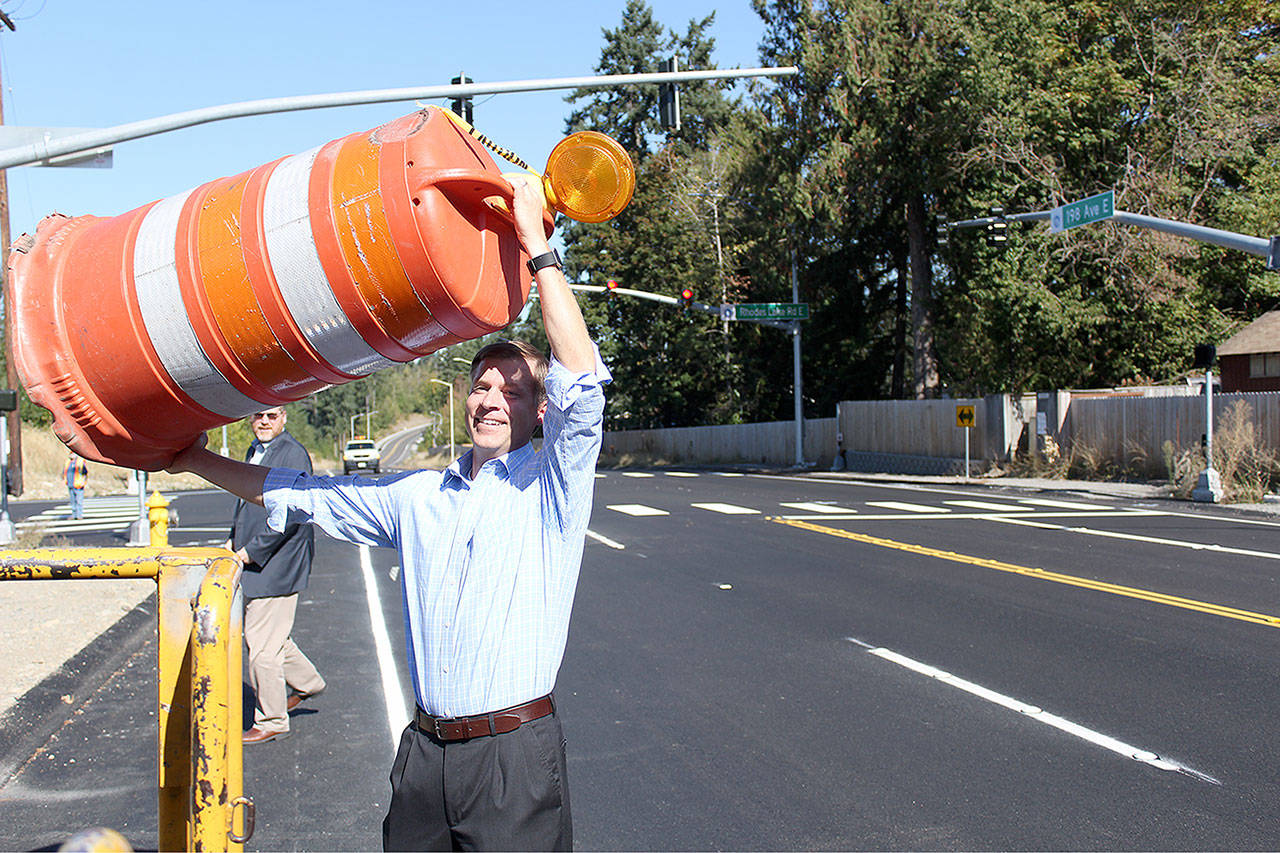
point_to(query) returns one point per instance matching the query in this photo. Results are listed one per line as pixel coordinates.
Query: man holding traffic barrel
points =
(491, 549)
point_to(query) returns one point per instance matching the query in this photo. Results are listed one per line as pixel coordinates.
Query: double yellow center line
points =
(1041, 574)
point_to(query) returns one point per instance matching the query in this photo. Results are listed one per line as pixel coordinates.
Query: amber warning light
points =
(589, 177)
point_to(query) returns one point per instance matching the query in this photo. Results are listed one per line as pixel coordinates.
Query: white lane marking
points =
(1035, 713)
(636, 509)
(1235, 519)
(636, 474)
(727, 509)
(826, 509)
(906, 507)
(599, 476)
(392, 690)
(1151, 540)
(605, 540)
(988, 505)
(681, 474)
(986, 516)
(1059, 504)
(728, 474)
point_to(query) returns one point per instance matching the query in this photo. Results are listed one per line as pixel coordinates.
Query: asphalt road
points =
(785, 663)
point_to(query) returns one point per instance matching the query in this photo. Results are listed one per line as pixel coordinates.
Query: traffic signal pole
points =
(795, 365)
(42, 151)
(1263, 247)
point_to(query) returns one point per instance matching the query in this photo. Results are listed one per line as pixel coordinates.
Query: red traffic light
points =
(611, 284)
(686, 296)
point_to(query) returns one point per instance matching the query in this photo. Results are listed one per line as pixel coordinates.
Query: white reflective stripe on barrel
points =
(295, 263)
(155, 278)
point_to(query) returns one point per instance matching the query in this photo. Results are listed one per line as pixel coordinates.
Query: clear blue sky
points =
(88, 63)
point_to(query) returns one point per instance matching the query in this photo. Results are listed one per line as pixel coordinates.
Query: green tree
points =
(1172, 104)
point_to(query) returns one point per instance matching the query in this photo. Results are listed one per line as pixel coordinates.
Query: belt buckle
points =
(437, 728)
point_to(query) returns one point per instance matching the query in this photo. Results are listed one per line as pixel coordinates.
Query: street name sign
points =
(1092, 209)
(767, 311)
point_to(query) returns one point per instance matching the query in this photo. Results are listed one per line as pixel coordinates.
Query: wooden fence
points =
(921, 436)
(1122, 429)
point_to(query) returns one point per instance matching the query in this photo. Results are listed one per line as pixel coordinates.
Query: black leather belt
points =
(495, 723)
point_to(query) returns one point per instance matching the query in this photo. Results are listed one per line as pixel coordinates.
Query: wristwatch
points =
(549, 259)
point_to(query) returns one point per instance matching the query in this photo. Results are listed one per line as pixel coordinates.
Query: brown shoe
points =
(257, 735)
(296, 698)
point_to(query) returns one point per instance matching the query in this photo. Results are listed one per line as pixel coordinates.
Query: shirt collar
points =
(507, 462)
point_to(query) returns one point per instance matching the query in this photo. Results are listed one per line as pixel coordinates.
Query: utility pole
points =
(14, 418)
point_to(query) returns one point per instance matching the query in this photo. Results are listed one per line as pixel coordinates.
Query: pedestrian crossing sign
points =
(964, 417)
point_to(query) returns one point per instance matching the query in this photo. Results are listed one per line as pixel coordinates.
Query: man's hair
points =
(514, 350)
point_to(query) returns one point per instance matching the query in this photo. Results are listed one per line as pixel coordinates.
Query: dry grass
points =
(1249, 468)
(43, 460)
(1084, 462)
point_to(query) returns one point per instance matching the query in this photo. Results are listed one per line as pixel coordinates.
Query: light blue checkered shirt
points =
(489, 566)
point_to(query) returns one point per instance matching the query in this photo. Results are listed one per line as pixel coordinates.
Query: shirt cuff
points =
(275, 496)
(564, 387)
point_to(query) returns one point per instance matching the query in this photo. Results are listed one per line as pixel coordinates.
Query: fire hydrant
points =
(158, 515)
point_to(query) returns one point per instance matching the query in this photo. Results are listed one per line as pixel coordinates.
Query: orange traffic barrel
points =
(140, 331)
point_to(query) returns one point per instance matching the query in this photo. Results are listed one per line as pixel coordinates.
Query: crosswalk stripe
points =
(47, 518)
(636, 509)
(1060, 504)
(727, 509)
(906, 507)
(826, 509)
(991, 506)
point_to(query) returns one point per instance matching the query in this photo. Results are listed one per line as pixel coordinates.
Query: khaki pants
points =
(275, 663)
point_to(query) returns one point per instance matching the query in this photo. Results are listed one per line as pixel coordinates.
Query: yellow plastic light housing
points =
(589, 177)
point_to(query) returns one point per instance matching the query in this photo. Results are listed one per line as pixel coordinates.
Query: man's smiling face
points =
(503, 408)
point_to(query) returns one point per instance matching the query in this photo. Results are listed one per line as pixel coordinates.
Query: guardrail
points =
(200, 789)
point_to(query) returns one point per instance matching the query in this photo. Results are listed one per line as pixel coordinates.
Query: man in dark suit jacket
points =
(276, 569)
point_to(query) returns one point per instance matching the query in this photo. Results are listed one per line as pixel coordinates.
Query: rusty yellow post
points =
(215, 722)
(179, 584)
(158, 515)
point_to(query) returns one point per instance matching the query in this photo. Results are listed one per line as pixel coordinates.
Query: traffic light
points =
(686, 298)
(940, 231)
(1206, 356)
(462, 106)
(669, 98)
(997, 229)
(611, 285)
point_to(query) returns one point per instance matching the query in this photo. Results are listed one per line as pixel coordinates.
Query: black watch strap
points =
(548, 259)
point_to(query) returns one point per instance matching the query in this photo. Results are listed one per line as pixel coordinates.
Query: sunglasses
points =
(270, 416)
